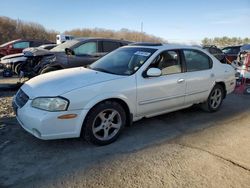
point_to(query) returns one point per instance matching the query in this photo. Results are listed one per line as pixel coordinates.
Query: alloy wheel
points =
(107, 124)
(216, 98)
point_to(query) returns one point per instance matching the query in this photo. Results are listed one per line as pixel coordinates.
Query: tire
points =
(104, 123)
(48, 69)
(247, 91)
(18, 68)
(214, 100)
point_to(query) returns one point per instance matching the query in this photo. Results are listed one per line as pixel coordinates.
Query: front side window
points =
(168, 62)
(21, 45)
(88, 48)
(123, 61)
(196, 61)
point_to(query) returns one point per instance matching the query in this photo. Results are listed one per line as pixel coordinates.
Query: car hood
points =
(30, 52)
(13, 58)
(59, 82)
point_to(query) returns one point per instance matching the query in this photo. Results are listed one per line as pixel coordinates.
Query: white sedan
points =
(126, 85)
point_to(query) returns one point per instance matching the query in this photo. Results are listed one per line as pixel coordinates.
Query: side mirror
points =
(69, 51)
(154, 72)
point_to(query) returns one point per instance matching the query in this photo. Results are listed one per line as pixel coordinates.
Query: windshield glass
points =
(124, 61)
(234, 50)
(61, 47)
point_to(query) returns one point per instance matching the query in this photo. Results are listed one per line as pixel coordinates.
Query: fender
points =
(113, 95)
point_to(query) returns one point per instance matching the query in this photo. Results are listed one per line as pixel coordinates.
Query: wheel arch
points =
(223, 85)
(119, 100)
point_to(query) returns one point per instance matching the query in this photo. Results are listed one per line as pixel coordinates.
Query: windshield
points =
(234, 50)
(124, 61)
(61, 47)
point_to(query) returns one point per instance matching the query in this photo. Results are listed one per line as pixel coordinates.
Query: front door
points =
(84, 55)
(163, 93)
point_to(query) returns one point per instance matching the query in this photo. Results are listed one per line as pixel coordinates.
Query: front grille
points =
(21, 98)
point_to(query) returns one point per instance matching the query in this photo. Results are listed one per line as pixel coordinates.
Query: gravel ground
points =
(188, 148)
(5, 105)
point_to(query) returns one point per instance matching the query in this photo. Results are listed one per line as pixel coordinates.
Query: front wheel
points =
(214, 100)
(17, 68)
(104, 123)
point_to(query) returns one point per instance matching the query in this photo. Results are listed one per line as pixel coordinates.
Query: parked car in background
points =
(12, 63)
(231, 53)
(62, 38)
(72, 53)
(126, 85)
(216, 52)
(17, 46)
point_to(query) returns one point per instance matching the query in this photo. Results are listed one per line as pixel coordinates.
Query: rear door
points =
(199, 76)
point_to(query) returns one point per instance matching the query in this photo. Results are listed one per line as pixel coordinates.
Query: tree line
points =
(225, 41)
(11, 29)
(123, 34)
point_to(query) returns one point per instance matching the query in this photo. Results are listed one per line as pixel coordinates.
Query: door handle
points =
(180, 80)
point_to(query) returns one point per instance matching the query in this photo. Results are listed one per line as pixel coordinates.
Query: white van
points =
(62, 38)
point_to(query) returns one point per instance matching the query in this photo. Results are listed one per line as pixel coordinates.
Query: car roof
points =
(165, 46)
(99, 38)
(238, 46)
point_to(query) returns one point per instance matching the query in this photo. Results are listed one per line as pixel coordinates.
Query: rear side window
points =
(21, 45)
(88, 48)
(196, 61)
(109, 46)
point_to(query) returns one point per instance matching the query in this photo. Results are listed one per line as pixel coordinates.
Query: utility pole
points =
(141, 31)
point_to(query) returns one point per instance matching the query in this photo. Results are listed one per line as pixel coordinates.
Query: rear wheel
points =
(104, 123)
(48, 69)
(214, 100)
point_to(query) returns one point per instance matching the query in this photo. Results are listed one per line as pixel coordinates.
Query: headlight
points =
(50, 103)
(8, 65)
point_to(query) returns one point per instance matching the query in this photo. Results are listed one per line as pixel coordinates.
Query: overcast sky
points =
(173, 20)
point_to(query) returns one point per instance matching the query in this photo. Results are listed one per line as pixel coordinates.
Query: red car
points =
(17, 46)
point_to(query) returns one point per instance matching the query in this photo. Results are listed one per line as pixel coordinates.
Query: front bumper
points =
(46, 125)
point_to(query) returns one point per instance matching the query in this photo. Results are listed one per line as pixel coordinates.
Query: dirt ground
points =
(188, 148)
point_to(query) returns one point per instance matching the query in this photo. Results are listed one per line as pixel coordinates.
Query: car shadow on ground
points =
(23, 150)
